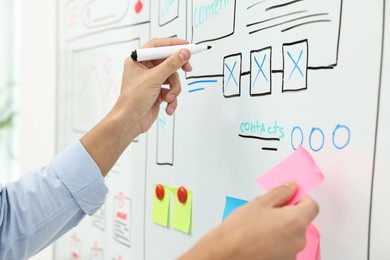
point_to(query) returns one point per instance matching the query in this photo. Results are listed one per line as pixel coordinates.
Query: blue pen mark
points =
(202, 81)
(260, 69)
(338, 127)
(231, 75)
(196, 90)
(315, 129)
(208, 81)
(296, 128)
(296, 66)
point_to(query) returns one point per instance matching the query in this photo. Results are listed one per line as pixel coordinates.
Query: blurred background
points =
(27, 88)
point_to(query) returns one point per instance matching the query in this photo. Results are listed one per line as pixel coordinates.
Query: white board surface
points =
(279, 74)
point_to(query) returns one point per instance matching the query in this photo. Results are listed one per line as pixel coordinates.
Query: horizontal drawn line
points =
(253, 5)
(294, 90)
(289, 21)
(202, 81)
(302, 24)
(269, 149)
(245, 73)
(282, 5)
(170, 164)
(330, 67)
(259, 137)
(205, 76)
(277, 71)
(196, 90)
(276, 17)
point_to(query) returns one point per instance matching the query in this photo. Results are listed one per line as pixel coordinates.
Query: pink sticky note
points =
(311, 251)
(300, 167)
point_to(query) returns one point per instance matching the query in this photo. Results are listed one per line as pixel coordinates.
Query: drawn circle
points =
(159, 192)
(296, 128)
(338, 127)
(313, 130)
(182, 194)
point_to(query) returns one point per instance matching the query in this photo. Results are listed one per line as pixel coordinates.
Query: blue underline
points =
(202, 81)
(196, 89)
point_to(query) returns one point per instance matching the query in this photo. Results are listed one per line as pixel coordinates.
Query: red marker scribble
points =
(75, 256)
(138, 6)
(121, 215)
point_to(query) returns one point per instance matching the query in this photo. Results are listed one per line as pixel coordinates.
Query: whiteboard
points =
(279, 74)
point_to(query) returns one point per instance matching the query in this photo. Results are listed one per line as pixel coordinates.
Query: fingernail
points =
(183, 55)
(289, 183)
(171, 98)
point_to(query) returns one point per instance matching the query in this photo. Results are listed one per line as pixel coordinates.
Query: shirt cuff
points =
(81, 176)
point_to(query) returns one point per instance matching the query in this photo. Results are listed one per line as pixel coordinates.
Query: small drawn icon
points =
(138, 6)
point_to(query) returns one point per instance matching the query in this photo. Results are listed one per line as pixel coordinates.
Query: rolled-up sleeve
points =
(47, 202)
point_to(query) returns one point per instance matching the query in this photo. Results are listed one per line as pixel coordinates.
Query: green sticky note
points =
(160, 209)
(182, 212)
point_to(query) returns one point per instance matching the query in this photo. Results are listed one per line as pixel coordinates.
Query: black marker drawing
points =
(232, 66)
(261, 77)
(165, 138)
(295, 59)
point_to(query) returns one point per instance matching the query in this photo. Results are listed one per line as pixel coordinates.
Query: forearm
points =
(110, 137)
(215, 245)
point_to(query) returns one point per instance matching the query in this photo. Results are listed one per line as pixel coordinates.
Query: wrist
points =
(215, 245)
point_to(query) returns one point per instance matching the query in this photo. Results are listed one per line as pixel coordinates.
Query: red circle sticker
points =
(182, 194)
(159, 192)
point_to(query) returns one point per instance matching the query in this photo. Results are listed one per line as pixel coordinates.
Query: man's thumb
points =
(172, 64)
(279, 196)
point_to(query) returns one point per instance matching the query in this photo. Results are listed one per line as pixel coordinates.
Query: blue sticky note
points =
(231, 205)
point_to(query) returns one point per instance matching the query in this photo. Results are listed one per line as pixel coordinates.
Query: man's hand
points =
(262, 229)
(138, 104)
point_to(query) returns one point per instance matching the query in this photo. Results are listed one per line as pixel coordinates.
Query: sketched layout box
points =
(232, 66)
(295, 60)
(165, 137)
(212, 20)
(122, 219)
(96, 81)
(261, 76)
(168, 11)
(86, 17)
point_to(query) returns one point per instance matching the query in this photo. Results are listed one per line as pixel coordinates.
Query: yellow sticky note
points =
(160, 209)
(182, 212)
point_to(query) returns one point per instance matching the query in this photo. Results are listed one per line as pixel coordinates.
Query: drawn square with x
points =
(260, 72)
(232, 75)
(295, 60)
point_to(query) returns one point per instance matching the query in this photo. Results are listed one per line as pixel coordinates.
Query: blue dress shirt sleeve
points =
(46, 203)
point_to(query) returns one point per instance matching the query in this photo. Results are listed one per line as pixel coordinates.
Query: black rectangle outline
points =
(307, 63)
(214, 39)
(223, 76)
(169, 21)
(173, 144)
(270, 74)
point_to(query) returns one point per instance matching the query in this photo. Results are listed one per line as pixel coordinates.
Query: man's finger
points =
(161, 42)
(307, 208)
(279, 196)
(171, 65)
